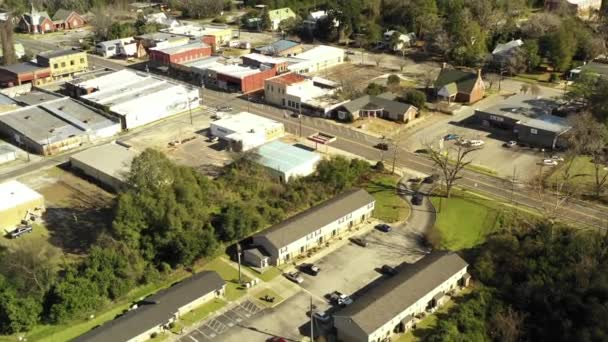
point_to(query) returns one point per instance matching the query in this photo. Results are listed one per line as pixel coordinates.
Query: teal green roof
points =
(283, 157)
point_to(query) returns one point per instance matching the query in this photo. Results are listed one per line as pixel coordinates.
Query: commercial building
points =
(154, 314)
(212, 36)
(161, 40)
(318, 58)
(55, 126)
(136, 98)
(281, 48)
(17, 202)
(285, 161)
(118, 47)
(526, 119)
(63, 63)
(302, 94)
(382, 106)
(459, 85)
(314, 227)
(244, 131)
(278, 15)
(394, 304)
(179, 54)
(260, 61)
(237, 78)
(21, 73)
(107, 164)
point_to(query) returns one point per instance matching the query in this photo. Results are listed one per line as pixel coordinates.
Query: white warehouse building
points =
(318, 58)
(286, 161)
(393, 306)
(314, 227)
(244, 131)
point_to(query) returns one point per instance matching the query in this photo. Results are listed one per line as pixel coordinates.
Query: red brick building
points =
(259, 61)
(179, 54)
(67, 20)
(17, 74)
(240, 78)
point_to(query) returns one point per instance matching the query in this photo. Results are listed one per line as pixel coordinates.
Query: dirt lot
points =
(77, 211)
(352, 73)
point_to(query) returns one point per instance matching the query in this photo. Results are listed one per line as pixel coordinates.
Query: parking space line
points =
(192, 338)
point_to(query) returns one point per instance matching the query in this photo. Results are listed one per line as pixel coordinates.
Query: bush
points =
(374, 89)
(379, 166)
(393, 80)
(219, 20)
(154, 335)
(553, 77)
(415, 98)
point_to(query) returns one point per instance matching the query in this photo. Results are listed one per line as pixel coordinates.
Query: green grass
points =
(269, 273)
(389, 206)
(231, 276)
(464, 219)
(582, 171)
(203, 311)
(481, 169)
(270, 293)
(159, 338)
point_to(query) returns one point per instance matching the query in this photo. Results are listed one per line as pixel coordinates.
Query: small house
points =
(453, 85)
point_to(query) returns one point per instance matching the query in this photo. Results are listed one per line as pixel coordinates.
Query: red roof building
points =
(179, 54)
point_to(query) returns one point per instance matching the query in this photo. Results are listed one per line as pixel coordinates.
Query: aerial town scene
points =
(303, 170)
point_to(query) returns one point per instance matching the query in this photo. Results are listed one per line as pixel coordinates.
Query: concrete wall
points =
(107, 180)
(535, 136)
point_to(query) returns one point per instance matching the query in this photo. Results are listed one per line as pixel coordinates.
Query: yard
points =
(268, 274)
(389, 206)
(196, 315)
(268, 293)
(231, 276)
(584, 172)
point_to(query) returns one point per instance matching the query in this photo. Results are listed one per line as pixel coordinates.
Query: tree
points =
(31, 267)
(17, 312)
(530, 53)
(535, 90)
(375, 89)
(378, 58)
(508, 325)
(524, 88)
(265, 24)
(451, 162)
(198, 9)
(561, 48)
(393, 80)
(6, 38)
(102, 21)
(414, 97)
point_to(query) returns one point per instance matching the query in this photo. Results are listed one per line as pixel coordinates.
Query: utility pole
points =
(394, 155)
(238, 256)
(513, 179)
(312, 322)
(190, 111)
(300, 118)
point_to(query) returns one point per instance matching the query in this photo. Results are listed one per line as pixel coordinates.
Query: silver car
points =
(296, 277)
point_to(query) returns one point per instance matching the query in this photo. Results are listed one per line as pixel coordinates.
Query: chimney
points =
(479, 73)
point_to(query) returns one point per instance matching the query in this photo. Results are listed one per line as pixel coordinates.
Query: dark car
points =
(311, 269)
(321, 316)
(359, 241)
(451, 137)
(20, 231)
(382, 146)
(417, 199)
(388, 270)
(431, 179)
(383, 227)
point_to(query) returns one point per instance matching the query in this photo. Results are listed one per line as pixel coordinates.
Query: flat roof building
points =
(286, 161)
(7, 154)
(63, 63)
(318, 58)
(393, 304)
(238, 78)
(107, 164)
(244, 131)
(17, 201)
(281, 48)
(17, 74)
(154, 314)
(179, 54)
(314, 227)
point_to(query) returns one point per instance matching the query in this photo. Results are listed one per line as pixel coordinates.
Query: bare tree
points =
(524, 88)
(8, 44)
(378, 58)
(403, 63)
(451, 162)
(32, 265)
(508, 325)
(535, 90)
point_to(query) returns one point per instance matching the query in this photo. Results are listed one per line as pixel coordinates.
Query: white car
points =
(549, 162)
(476, 143)
(557, 158)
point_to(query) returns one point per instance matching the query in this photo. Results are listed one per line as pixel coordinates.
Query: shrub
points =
(393, 80)
(415, 98)
(553, 77)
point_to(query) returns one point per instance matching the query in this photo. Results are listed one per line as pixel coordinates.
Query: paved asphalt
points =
(362, 145)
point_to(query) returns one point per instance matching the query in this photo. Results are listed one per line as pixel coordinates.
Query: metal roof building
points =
(245, 131)
(287, 161)
(16, 201)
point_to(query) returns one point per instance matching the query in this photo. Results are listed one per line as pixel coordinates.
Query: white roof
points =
(245, 122)
(306, 90)
(316, 15)
(14, 193)
(321, 51)
(113, 80)
(502, 48)
(263, 58)
(236, 71)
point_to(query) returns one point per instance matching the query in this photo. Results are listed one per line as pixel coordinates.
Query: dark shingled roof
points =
(395, 294)
(61, 15)
(464, 80)
(310, 220)
(25, 67)
(58, 53)
(158, 309)
(385, 101)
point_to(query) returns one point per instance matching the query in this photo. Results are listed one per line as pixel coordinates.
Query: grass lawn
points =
(230, 275)
(202, 311)
(270, 293)
(389, 206)
(465, 219)
(582, 170)
(269, 274)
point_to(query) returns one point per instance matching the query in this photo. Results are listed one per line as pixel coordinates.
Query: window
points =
(533, 131)
(72, 62)
(63, 64)
(55, 66)
(82, 61)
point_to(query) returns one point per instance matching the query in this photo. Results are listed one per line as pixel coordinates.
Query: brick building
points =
(455, 85)
(179, 54)
(18, 74)
(238, 78)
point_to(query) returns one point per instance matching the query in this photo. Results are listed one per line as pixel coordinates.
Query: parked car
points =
(223, 108)
(451, 137)
(557, 158)
(476, 143)
(20, 231)
(549, 162)
(510, 143)
(359, 241)
(217, 116)
(311, 269)
(417, 199)
(340, 298)
(213, 139)
(383, 227)
(431, 179)
(296, 277)
(388, 270)
(382, 146)
(321, 316)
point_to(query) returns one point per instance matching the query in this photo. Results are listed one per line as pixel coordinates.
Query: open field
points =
(582, 169)
(389, 206)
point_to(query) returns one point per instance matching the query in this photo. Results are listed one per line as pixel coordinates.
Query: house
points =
(153, 314)
(286, 162)
(278, 15)
(67, 19)
(55, 126)
(314, 17)
(118, 47)
(314, 227)
(302, 94)
(395, 303)
(21, 73)
(179, 54)
(582, 8)
(382, 106)
(18, 48)
(255, 257)
(107, 164)
(281, 48)
(17, 202)
(400, 42)
(63, 63)
(237, 78)
(245, 131)
(505, 49)
(36, 21)
(161, 18)
(318, 58)
(526, 119)
(594, 67)
(455, 85)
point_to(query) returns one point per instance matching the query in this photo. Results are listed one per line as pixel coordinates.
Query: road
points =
(362, 145)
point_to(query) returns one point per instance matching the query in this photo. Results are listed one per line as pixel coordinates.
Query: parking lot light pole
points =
(238, 256)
